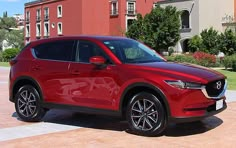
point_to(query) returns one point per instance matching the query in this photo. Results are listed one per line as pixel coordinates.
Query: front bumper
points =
(209, 111)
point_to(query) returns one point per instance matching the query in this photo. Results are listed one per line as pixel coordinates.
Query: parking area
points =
(61, 128)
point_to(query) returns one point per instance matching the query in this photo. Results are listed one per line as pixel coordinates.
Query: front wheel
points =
(27, 104)
(146, 115)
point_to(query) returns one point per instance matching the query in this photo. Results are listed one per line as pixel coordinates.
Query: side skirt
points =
(82, 109)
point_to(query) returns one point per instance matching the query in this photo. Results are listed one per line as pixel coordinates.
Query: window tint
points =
(57, 50)
(87, 49)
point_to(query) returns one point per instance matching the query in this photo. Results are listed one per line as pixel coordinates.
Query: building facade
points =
(51, 18)
(198, 15)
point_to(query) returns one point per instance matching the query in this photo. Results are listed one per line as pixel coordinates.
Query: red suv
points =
(112, 76)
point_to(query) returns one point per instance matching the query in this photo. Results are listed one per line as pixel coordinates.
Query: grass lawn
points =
(231, 78)
(5, 64)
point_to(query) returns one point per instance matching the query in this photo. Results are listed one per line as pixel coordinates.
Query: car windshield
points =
(131, 51)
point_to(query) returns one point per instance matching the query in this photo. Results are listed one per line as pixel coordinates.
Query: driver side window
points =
(87, 49)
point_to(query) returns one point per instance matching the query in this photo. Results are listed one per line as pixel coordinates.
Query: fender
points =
(142, 84)
(36, 83)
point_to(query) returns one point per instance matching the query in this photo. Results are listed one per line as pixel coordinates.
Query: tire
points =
(28, 104)
(146, 115)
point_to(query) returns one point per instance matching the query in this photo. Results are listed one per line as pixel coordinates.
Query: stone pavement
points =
(61, 128)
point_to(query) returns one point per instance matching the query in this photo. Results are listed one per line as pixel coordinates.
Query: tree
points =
(2, 37)
(159, 29)
(15, 38)
(209, 41)
(195, 43)
(227, 42)
(7, 23)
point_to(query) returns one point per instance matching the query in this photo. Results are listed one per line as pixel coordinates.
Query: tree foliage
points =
(227, 42)
(209, 41)
(195, 43)
(15, 38)
(212, 42)
(159, 29)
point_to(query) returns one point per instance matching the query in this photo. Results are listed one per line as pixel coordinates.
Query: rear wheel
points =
(146, 115)
(28, 104)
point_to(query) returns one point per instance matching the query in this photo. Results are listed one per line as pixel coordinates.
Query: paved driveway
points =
(62, 128)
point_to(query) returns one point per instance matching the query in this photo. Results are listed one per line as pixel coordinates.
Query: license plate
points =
(219, 104)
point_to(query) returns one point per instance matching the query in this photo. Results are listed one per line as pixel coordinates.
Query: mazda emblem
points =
(218, 85)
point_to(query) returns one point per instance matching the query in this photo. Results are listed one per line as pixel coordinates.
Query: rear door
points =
(50, 68)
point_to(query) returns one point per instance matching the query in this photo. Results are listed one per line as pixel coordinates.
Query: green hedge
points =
(230, 62)
(8, 54)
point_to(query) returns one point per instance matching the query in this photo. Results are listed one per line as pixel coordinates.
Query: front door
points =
(93, 86)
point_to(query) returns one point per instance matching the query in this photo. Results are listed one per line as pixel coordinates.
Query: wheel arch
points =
(139, 87)
(21, 81)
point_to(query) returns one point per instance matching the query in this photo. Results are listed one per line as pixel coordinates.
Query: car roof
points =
(89, 37)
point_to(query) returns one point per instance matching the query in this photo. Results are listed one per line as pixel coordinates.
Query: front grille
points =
(215, 88)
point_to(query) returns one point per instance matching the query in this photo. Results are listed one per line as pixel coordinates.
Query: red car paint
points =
(85, 85)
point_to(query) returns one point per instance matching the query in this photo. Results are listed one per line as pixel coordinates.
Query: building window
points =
(59, 28)
(114, 8)
(27, 17)
(27, 30)
(59, 11)
(185, 17)
(46, 14)
(46, 29)
(131, 8)
(38, 30)
(38, 15)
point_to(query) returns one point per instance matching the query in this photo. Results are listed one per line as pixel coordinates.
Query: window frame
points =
(59, 13)
(114, 11)
(38, 32)
(77, 54)
(27, 31)
(59, 28)
(46, 33)
(33, 50)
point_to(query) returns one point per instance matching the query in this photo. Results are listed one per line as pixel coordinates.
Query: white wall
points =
(211, 13)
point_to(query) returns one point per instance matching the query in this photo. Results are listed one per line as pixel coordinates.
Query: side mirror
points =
(97, 60)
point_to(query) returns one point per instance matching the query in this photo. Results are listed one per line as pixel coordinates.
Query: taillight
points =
(13, 62)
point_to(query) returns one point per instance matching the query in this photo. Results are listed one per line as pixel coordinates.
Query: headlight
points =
(184, 85)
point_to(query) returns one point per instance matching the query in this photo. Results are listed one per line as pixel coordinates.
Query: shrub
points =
(195, 44)
(1, 58)
(230, 62)
(10, 53)
(182, 58)
(205, 59)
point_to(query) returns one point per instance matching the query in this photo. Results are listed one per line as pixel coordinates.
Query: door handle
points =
(75, 72)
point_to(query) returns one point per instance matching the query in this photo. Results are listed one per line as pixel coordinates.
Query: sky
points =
(12, 6)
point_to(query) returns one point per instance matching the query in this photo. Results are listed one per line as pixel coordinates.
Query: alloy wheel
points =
(144, 114)
(27, 103)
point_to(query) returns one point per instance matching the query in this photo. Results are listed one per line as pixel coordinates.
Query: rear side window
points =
(56, 50)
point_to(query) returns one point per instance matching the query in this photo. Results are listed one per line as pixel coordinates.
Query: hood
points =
(185, 70)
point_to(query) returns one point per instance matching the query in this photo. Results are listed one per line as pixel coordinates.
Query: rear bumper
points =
(210, 111)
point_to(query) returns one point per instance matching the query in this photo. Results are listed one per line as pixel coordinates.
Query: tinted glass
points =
(57, 50)
(131, 51)
(87, 49)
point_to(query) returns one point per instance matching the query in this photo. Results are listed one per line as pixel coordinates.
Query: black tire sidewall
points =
(162, 120)
(39, 113)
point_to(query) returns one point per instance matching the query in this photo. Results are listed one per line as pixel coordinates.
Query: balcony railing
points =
(46, 17)
(27, 20)
(38, 18)
(114, 12)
